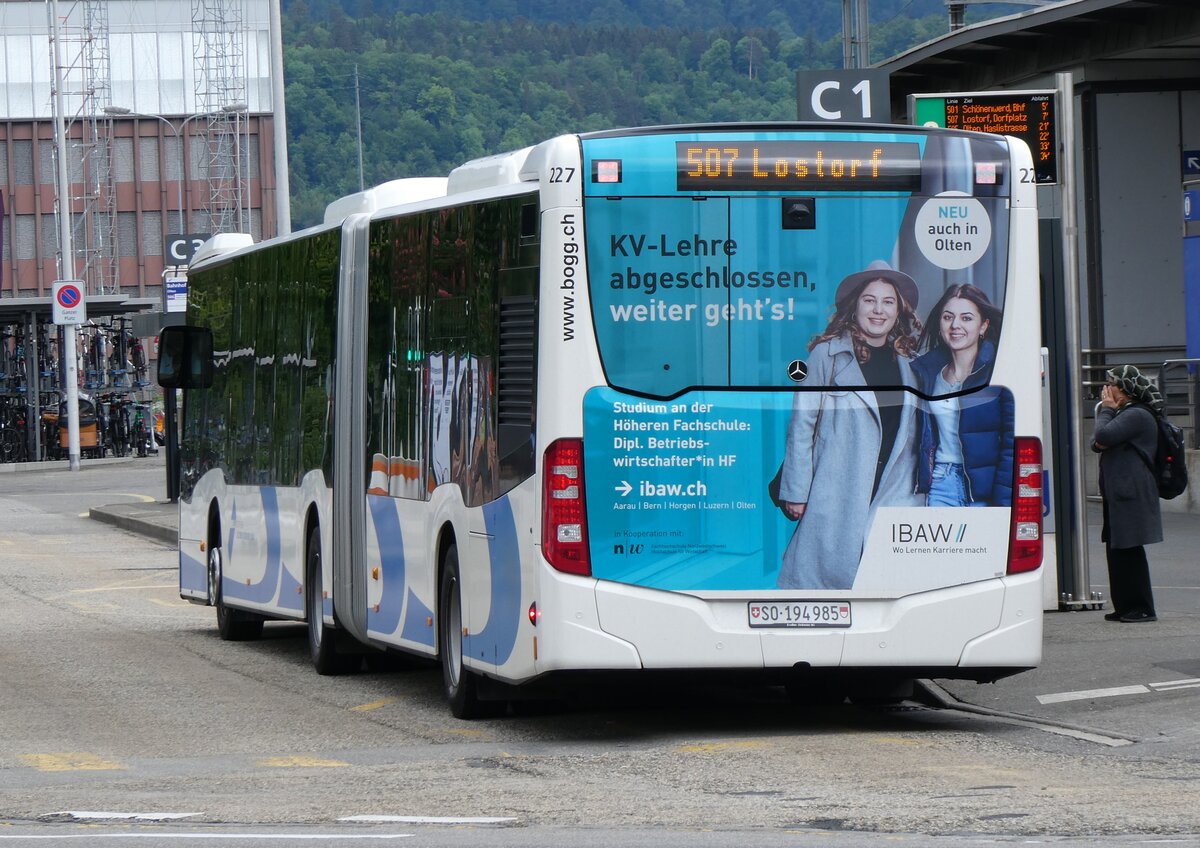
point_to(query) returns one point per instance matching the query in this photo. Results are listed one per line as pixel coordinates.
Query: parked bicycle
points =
(12, 429)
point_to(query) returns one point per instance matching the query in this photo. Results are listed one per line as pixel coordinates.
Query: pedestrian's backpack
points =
(1169, 465)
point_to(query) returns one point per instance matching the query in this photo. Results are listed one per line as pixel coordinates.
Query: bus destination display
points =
(1028, 115)
(714, 165)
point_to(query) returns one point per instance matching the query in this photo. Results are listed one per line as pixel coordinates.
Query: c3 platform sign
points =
(68, 305)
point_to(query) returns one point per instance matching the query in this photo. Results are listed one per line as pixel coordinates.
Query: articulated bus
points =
(707, 398)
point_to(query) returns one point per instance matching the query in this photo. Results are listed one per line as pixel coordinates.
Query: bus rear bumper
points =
(976, 628)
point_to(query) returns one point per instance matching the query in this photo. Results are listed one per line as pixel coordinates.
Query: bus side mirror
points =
(185, 358)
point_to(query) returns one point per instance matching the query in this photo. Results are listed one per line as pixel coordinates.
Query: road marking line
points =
(1167, 685)
(1136, 689)
(896, 740)
(1112, 692)
(430, 819)
(123, 588)
(331, 837)
(717, 747)
(90, 815)
(73, 761)
(301, 762)
(136, 497)
(374, 705)
(94, 606)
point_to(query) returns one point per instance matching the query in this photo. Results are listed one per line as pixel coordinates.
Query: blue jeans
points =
(948, 487)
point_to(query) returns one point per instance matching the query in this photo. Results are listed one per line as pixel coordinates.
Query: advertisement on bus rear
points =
(798, 334)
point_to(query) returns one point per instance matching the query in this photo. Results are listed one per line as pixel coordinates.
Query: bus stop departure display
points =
(1028, 115)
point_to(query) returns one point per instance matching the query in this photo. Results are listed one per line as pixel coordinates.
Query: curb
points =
(65, 464)
(150, 529)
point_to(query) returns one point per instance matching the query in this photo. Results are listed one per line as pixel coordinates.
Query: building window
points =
(148, 152)
(49, 237)
(253, 166)
(127, 236)
(174, 157)
(152, 234)
(23, 162)
(25, 237)
(123, 159)
(47, 171)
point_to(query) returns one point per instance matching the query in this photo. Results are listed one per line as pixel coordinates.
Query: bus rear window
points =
(720, 291)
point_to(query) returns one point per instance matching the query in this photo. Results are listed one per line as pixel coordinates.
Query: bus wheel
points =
(322, 642)
(459, 683)
(232, 625)
(214, 576)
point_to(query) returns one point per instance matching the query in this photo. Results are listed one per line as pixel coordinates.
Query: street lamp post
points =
(169, 404)
(65, 247)
(178, 132)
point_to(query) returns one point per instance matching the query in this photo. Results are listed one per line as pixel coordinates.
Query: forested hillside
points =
(476, 77)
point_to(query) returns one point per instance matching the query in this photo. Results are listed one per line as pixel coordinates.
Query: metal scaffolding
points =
(86, 75)
(218, 50)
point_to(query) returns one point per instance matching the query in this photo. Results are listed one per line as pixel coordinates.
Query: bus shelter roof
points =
(1118, 40)
(16, 309)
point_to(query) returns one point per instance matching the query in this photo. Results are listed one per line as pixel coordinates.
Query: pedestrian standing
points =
(1126, 433)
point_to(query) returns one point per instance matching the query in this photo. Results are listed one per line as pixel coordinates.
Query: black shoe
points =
(1112, 616)
(1138, 617)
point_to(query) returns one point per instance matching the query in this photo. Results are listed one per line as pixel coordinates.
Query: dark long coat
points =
(1132, 514)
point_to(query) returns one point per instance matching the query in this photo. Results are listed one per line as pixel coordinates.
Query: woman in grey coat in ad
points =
(1126, 438)
(851, 449)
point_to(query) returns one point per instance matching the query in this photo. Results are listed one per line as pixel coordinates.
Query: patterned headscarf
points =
(1135, 384)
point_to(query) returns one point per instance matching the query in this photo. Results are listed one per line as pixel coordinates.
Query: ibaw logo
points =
(929, 532)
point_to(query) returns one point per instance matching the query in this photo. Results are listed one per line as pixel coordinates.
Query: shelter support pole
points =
(1082, 593)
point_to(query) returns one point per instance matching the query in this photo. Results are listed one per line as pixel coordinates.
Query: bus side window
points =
(516, 389)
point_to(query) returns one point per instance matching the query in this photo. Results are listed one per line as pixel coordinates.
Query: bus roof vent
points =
(220, 244)
(394, 193)
(502, 169)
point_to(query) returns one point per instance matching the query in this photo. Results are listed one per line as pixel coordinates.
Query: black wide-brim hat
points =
(880, 270)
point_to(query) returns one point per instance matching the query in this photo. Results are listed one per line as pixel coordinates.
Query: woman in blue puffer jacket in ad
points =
(966, 454)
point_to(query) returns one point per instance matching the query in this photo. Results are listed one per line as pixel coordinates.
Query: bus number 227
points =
(561, 175)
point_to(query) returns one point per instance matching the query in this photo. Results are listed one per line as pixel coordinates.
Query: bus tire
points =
(232, 625)
(322, 641)
(460, 684)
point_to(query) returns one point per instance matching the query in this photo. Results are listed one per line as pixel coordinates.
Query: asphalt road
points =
(117, 697)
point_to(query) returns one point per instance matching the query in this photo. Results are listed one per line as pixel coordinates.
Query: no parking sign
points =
(69, 305)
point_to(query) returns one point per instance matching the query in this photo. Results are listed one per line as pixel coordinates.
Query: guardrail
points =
(1095, 361)
(1179, 382)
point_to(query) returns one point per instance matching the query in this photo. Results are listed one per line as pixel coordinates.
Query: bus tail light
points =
(1025, 535)
(564, 512)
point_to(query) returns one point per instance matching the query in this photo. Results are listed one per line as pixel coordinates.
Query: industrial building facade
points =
(169, 133)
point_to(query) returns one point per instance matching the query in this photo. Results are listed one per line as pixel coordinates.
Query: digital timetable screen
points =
(716, 165)
(1028, 115)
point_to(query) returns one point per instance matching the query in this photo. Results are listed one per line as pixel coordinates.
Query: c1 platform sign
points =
(68, 305)
(858, 95)
(1028, 115)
